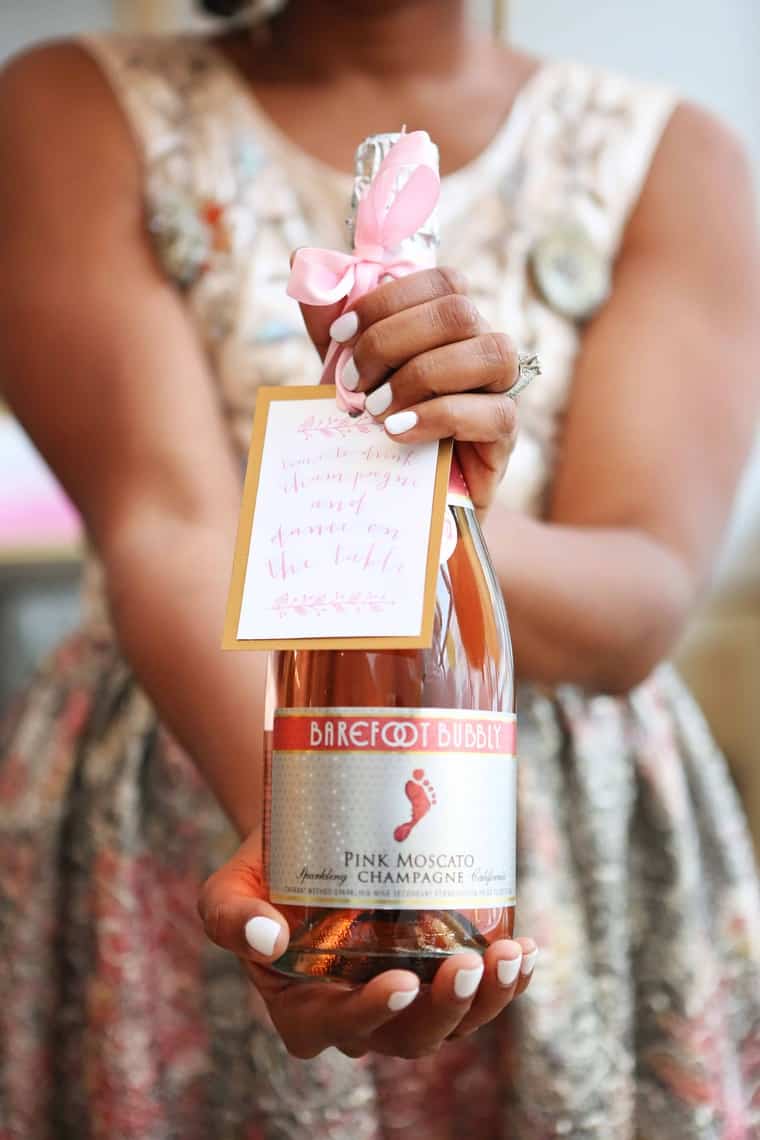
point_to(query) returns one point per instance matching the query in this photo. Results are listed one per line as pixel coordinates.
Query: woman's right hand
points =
(391, 1014)
(431, 368)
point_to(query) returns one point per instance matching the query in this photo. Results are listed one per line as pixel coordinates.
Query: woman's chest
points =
(253, 333)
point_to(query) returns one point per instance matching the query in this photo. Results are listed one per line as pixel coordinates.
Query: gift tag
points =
(340, 530)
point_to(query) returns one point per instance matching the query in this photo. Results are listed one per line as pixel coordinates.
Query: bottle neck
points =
(421, 247)
(419, 251)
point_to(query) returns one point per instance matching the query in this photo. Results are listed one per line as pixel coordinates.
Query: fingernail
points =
(507, 970)
(401, 999)
(344, 327)
(261, 934)
(378, 401)
(528, 962)
(400, 422)
(467, 981)
(350, 375)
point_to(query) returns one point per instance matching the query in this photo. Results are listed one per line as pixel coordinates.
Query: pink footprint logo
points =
(421, 795)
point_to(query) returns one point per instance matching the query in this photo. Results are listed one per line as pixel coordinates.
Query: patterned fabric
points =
(118, 1021)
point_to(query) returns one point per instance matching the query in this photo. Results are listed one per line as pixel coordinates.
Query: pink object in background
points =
(35, 515)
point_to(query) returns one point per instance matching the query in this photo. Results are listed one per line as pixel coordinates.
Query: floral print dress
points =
(118, 1020)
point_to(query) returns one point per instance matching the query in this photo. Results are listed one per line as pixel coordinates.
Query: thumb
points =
(318, 319)
(237, 917)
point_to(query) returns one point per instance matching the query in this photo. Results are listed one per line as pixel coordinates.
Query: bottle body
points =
(400, 786)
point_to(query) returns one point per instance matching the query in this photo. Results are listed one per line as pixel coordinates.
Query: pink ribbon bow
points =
(384, 219)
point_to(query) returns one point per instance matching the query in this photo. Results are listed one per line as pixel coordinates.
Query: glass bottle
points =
(390, 775)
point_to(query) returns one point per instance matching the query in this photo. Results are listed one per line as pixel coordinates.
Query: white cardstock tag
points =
(338, 542)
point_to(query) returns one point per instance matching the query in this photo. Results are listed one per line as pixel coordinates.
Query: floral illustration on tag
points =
(356, 601)
(338, 424)
(421, 795)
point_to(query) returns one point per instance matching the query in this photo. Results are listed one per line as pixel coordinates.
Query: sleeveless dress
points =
(636, 877)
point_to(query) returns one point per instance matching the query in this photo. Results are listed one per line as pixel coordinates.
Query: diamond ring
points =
(528, 367)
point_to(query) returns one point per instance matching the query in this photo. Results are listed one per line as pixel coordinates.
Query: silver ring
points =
(528, 367)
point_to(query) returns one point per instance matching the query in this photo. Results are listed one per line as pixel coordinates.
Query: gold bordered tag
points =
(340, 530)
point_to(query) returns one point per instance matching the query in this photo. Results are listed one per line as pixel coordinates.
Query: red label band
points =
(394, 732)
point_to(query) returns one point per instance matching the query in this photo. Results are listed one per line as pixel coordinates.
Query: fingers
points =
(484, 363)
(388, 299)
(250, 929)
(530, 954)
(437, 1012)
(312, 1017)
(480, 418)
(391, 1014)
(396, 296)
(389, 343)
(417, 340)
(318, 319)
(502, 981)
(236, 917)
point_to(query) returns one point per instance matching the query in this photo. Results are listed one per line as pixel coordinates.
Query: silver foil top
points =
(369, 155)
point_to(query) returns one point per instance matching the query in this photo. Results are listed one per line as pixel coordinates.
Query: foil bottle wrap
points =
(422, 246)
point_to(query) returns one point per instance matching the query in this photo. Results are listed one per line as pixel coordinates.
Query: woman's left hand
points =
(391, 1014)
(431, 369)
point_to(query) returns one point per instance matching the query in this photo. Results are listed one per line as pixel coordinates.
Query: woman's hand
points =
(431, 369)
(391, 1014)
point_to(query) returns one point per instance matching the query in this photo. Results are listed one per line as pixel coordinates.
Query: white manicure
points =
(261, 934)
(350, 376)
(507, 971)
(378, 401)
(401, 999)
(467, 981)
(345, 327)
(400, 422)
(528, 962)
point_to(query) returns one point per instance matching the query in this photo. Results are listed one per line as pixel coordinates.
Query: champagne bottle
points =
(390, 775)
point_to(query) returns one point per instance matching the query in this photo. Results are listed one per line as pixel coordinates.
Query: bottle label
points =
(392, 808)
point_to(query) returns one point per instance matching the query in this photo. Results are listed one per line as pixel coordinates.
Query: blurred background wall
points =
(24, 21)
(708, 50)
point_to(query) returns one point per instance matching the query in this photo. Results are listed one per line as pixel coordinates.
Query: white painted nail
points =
(467, 981)
(379, 401)
(400, 422)
(528, 962)
(507, 971)
(350, 375)
(261, 934)
(401, 999)
(344, 327)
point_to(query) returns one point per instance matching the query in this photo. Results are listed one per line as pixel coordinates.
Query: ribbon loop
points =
(385, 218)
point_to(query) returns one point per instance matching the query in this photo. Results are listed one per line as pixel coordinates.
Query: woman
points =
(150, 195)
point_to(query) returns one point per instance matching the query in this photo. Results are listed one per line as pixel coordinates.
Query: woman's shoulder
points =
(594, 109)
(154, 122)
(152, 78)
(646, 133)
(76, 136)
(79, 84)
(51, 73)
(597, 108)
(598, 138)
(59, 125)
(61, 63)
